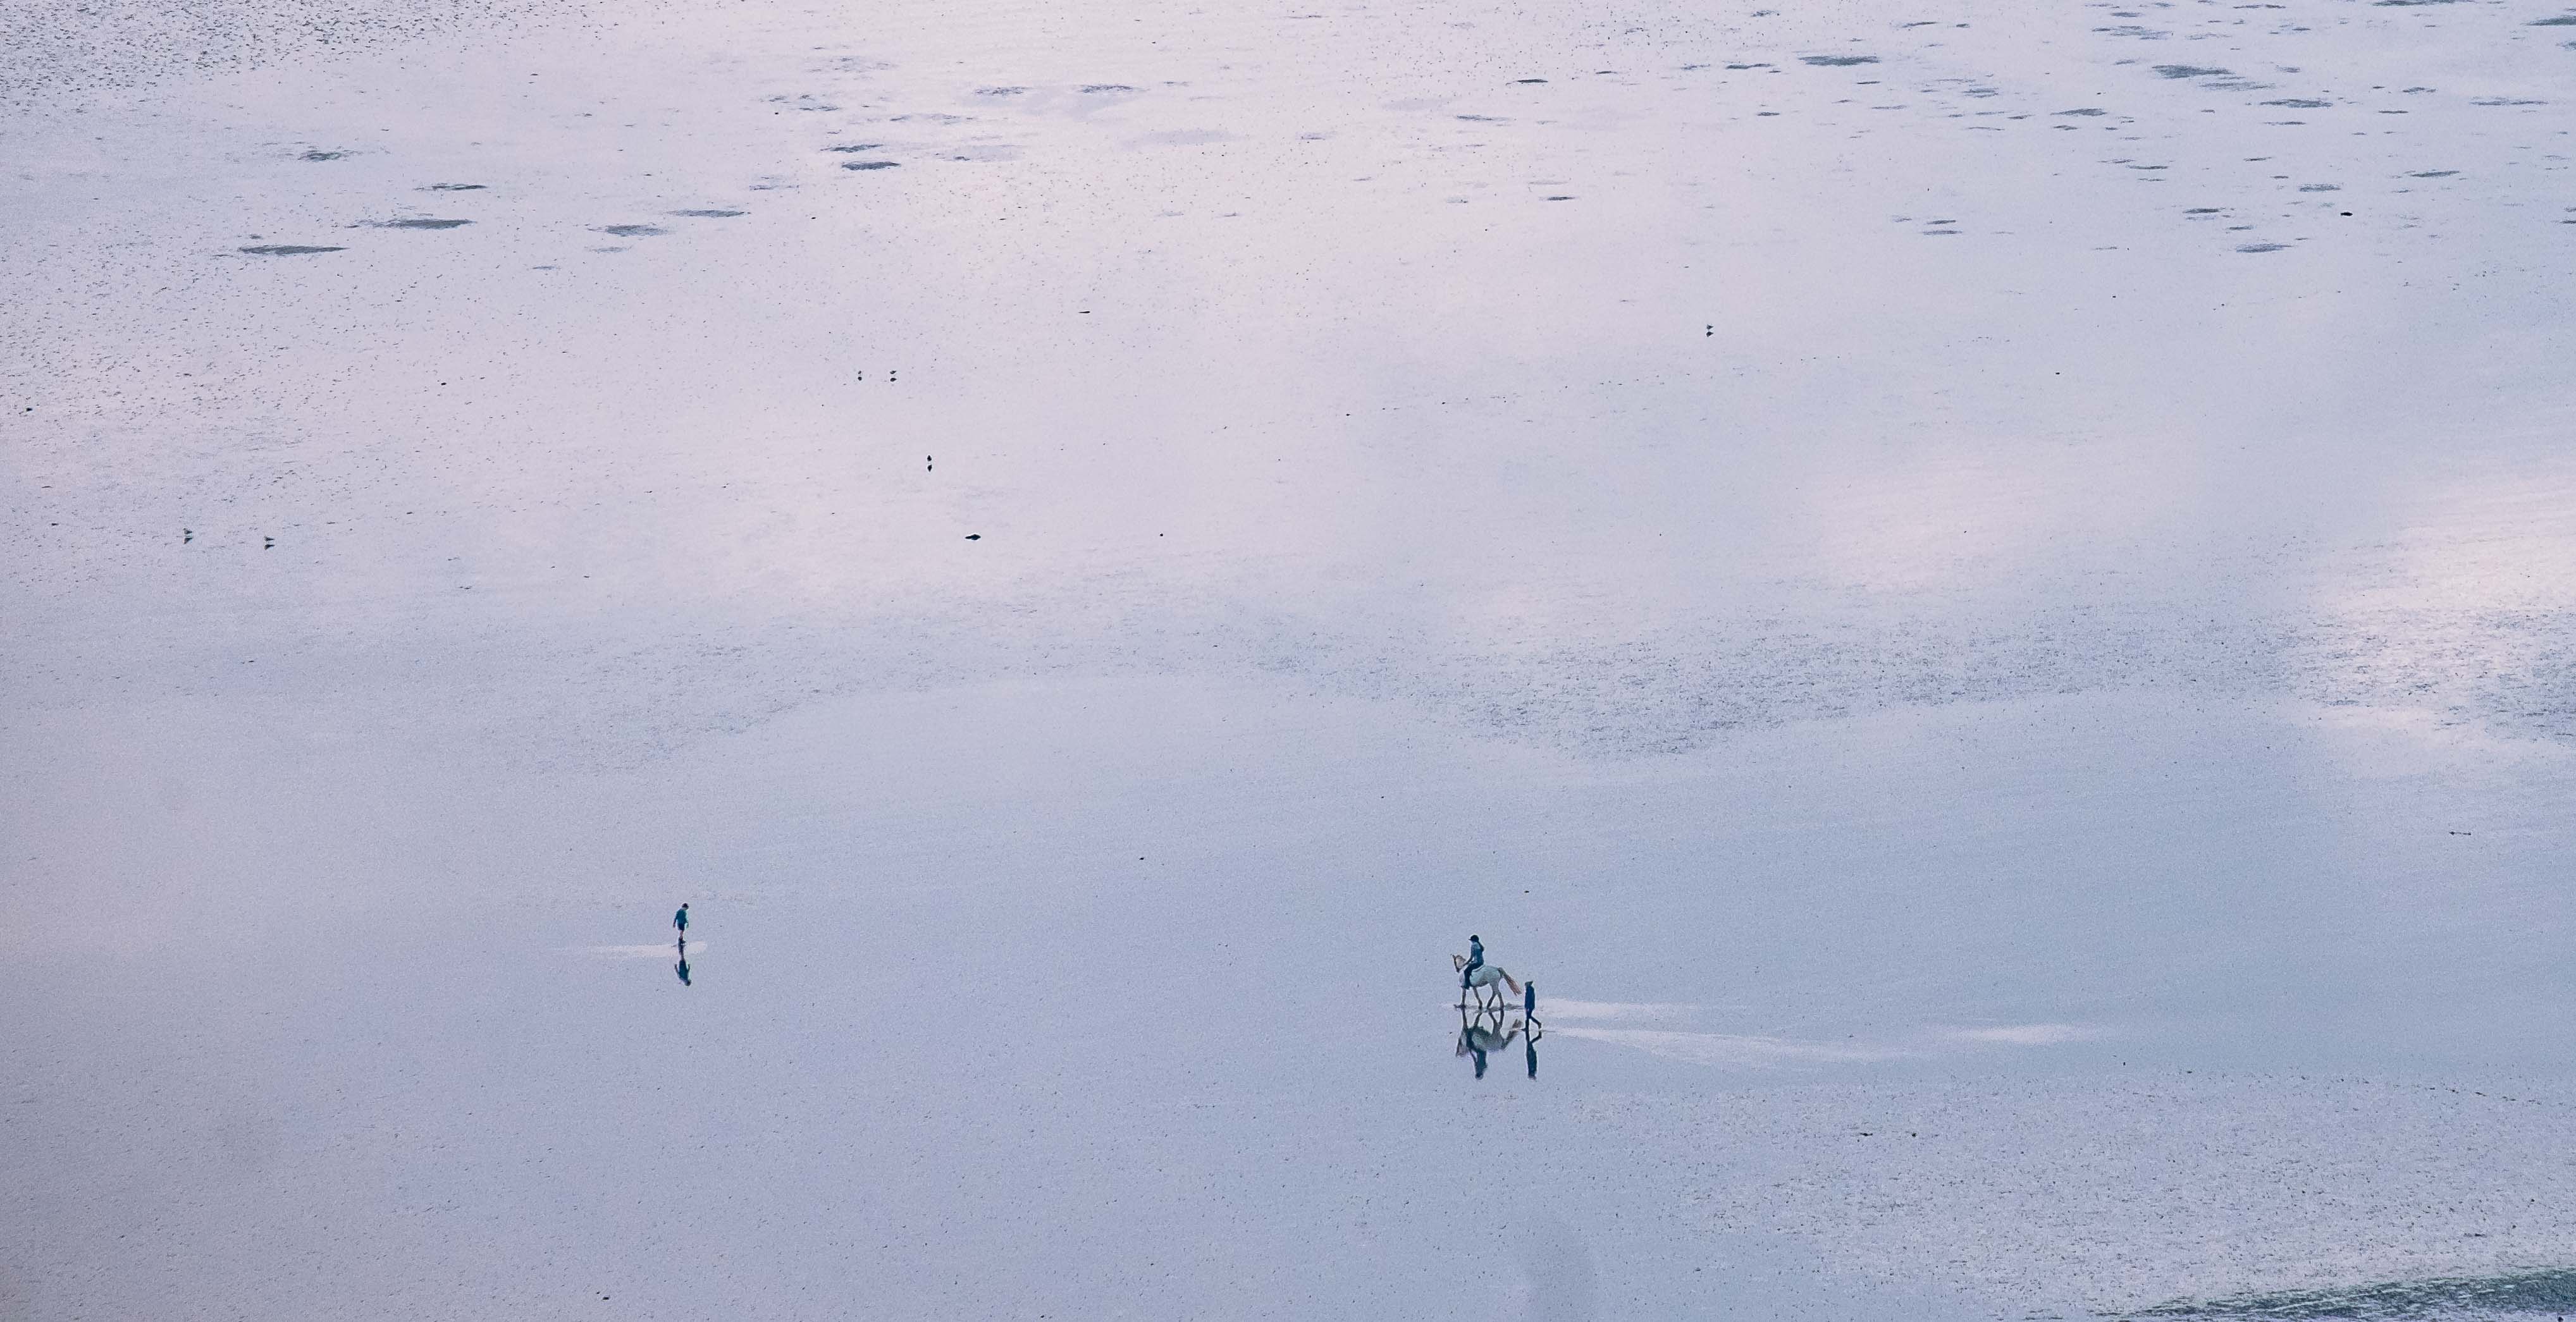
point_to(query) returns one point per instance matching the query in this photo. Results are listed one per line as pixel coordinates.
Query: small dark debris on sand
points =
(418, 223)
(709, 213)
(289, 249)
(1837, 61)
(869, 165)
(632, 231)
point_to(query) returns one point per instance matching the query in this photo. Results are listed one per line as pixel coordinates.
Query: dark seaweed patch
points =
(855, 146)
(2189, 71)
(1837, 61)
(869, 165)
(317, 154)
(2261, 247)
(632, 231)
(289, 249)
(452, 188)
(708, 213)
(2088, 110)
(2432, 174)
(419, 223)
(2562, 21)
(1098, 89)
(2551, 1291)
(2300, 103)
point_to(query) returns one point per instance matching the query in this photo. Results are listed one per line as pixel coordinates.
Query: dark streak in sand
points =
(289, 249)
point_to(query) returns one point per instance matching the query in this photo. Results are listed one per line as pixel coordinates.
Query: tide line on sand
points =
(637, 952)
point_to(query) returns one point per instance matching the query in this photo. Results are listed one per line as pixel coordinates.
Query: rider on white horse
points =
(1475, 960)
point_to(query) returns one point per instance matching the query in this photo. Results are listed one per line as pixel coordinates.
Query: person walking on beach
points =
(680, 920)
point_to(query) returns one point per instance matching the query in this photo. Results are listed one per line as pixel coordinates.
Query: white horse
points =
(1483, 979)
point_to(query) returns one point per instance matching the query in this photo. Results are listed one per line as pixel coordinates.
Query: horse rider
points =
(1475, 959)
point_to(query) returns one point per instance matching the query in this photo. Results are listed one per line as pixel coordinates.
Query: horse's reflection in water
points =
(1483, 1032)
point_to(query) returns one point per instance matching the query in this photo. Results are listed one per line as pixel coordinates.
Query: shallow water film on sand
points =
(1973, 605)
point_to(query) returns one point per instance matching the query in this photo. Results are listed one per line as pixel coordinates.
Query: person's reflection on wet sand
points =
(683, 967)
